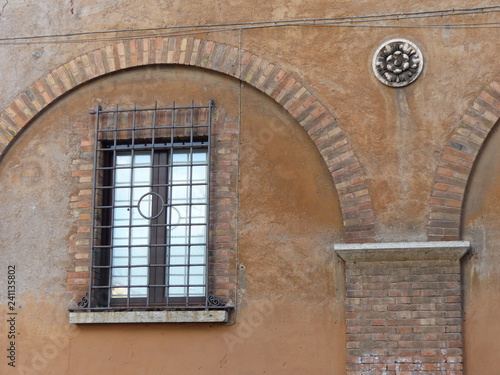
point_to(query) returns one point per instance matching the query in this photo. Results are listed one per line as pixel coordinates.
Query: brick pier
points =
(403, 308)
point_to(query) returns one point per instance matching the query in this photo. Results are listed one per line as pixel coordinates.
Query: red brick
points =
(404, 338)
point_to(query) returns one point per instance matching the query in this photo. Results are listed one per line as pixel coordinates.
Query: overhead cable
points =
(366, 21)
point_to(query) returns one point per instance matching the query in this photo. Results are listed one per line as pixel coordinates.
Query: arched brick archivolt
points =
(269, 78)
(456, 164)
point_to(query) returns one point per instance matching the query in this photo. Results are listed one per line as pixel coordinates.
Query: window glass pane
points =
(180, 157)
(139, 273)
(135, 229)
(196, 271)
(122, 196)
(121, 214)
(120, 252)
(197, 275)
(197, 281)
(182, 213)
(137, 193)
(197, 260)
(141, 176)
(120, 261)
(198, 193)
(198, 233)
(180, 194)
(139, 256)
(187, 204)
(198, 291)
(120, 279)
(123, 159)
(139, 236)
(120, 233)
(179, 235)
(122, 177)
(178, 280)
(200, 156)
(198, 214)
(117, 273)
(120, 242)
(142, 158)
(198, 251)
(191, 202)
(119, 292)
(138, 292)
(180, 175)
(178, 255)
(177, 292)
(199, 174)
(145, 207)
(138, 276)
(178, 260)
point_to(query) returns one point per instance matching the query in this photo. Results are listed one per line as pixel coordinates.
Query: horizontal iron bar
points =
(154, 127)
(153, 265)
(153, 307)
(93, 112)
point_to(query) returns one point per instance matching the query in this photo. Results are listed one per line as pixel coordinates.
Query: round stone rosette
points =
(397, 62)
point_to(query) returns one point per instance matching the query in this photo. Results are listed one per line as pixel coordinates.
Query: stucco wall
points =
(482, 276)
(397, 134)
(289, 211)
(289, 309)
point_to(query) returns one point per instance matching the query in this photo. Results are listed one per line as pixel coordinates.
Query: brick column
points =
(403, 308)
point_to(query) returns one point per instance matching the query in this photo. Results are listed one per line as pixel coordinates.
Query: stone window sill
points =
(164, 316)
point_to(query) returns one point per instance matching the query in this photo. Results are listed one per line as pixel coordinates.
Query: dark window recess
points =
(151, 208)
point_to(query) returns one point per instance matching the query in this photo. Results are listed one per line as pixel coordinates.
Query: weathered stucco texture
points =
(289, 296)
(481, 221)
(396, 136)
(289, 308)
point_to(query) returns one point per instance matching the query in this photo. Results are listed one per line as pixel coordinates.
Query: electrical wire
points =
(210, 31)
(366, 21)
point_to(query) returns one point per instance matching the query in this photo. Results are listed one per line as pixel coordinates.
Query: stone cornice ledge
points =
(181, 316)
(402, 251)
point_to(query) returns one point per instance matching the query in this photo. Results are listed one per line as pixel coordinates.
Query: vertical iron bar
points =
(211, 104)
(150, 247)
(190, 201)
(172, 133)
(168, 248)
(153, 126)
(112, 202)
(92, 234)
(131, 202)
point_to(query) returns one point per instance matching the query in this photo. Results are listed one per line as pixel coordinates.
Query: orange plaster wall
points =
(481, 221)
(397, 135)
(289, 317)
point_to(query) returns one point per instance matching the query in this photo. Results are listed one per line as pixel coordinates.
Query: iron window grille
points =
(151, 205)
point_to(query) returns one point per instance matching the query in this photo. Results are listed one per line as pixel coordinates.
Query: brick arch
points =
(455, 166)
(267, 77)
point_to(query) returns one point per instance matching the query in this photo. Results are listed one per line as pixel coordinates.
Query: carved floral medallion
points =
(397, 63)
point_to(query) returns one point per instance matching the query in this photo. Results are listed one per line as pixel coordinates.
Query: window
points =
(151, 208)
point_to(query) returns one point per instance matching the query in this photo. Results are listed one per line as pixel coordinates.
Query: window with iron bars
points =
(151, 208)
